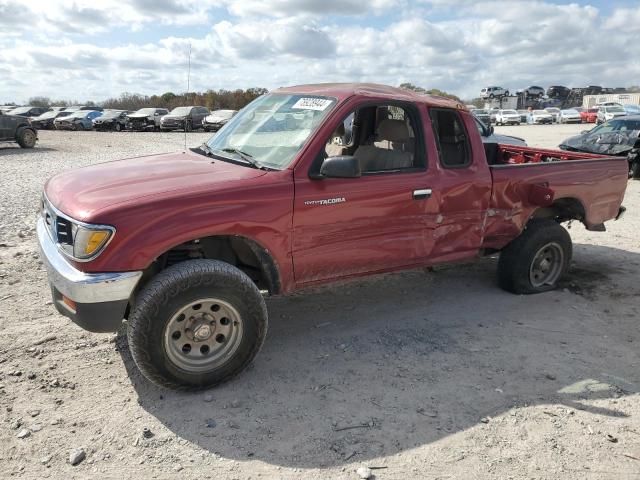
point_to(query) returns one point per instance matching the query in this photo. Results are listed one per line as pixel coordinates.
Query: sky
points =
(93, 50)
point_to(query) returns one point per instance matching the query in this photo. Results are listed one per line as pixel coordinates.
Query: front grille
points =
(60, 229)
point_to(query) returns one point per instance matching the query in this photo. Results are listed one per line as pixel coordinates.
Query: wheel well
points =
(241, 252)
(562, 210)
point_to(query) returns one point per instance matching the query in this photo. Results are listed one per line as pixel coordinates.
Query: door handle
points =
(421, 193)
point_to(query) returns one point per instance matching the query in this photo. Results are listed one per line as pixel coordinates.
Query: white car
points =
(609, 113)
(541, 116)
(490, 92)
(507, 117)
(570, 115)
(554, 112)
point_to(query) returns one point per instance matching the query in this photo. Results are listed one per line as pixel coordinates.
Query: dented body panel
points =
(318, 230)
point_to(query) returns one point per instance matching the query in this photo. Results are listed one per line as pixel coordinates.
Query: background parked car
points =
(146, 119)
(534, 91)
(492, 114)
(217, 119)
(523, 115)
(632, 109)
(489, 136)
(15, 128)
(541, 117)
(490, 92)
(184, 118)
(28, 111)
(609, 113)
(114, 120)
(558, 91)
(570, 115)
(619, 137)
(45, 121)
(554, 112)
(78, 120)
(589, 115)
(482, 115)
(507, 117)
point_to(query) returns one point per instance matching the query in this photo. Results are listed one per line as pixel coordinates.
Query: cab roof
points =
(342, 91)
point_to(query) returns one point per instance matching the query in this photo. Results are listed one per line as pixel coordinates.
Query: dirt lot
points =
(420, 375)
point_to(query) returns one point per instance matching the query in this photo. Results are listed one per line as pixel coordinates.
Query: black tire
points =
(634, 169)
(172, 289)
(26, 137)
(118, 127)
(516, 259)
(188, 126)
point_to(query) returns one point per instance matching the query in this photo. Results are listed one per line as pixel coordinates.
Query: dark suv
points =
(15, 128)
(184, 118)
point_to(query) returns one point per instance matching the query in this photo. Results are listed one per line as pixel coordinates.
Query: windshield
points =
(613, 109)
(46, 115)
(479, 112)
(272, 129)
(146, 111)
(570, 112)
(111, 114)
(19, 110)
(180, 111)
(553, 110)
(619, 125)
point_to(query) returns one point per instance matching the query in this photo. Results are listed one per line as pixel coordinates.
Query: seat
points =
(335, 145)
(396, 154)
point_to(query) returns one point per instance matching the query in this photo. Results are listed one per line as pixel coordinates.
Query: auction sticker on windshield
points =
(312, 104)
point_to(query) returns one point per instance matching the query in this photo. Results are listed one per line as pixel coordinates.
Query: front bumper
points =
(101, 299)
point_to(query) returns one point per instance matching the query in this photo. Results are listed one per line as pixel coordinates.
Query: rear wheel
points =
(634, 169)
(196, 325)
(26, 137)
(118, 127)
(536, 260)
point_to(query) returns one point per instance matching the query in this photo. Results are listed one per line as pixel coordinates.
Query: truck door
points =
(382, 220)
(464, 184)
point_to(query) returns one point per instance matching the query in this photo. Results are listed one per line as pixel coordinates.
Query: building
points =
(590, 101)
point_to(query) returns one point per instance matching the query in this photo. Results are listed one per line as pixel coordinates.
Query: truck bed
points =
(526, 180)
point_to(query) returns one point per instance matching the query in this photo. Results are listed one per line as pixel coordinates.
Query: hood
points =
(84, 192)
(139, 115)
(216, 118)
(172, 117)
(611, 143)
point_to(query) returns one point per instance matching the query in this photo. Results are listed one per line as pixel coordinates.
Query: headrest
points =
(393, 130)
(339, 131)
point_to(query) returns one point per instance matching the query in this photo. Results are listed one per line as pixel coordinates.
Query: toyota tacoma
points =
(306, 185)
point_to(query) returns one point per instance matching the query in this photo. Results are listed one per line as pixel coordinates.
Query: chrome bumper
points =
(79, 286)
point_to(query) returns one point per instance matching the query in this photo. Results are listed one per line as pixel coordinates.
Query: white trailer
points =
(590, 101)
(504, 103)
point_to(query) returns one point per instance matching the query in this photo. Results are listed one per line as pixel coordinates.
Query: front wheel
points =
(536, 260)
(634, 169)
(26, 137)
(197, 324)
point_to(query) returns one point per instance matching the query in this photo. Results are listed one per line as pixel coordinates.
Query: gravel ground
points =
(420, 374)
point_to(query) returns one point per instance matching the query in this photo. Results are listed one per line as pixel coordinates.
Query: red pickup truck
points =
(306, 185)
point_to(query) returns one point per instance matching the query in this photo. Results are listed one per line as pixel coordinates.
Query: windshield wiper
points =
(246, 157)
(206, 149)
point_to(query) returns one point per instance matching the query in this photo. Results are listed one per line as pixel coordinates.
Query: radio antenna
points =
(188, 87)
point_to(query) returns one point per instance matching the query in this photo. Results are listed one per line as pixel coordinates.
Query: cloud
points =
(455, 46)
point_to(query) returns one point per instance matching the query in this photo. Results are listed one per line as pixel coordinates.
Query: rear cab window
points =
(451, 137)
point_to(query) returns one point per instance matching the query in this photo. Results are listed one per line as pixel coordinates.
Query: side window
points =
(382, 137)
(451, 138)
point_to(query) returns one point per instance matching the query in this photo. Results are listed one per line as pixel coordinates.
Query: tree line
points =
(212, 99)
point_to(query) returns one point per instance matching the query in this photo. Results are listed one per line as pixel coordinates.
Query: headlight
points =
(89, 241)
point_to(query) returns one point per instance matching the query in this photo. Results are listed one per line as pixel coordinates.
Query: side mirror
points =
(491, 129)
(584, 131)
(156, 114)
(343, 166)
